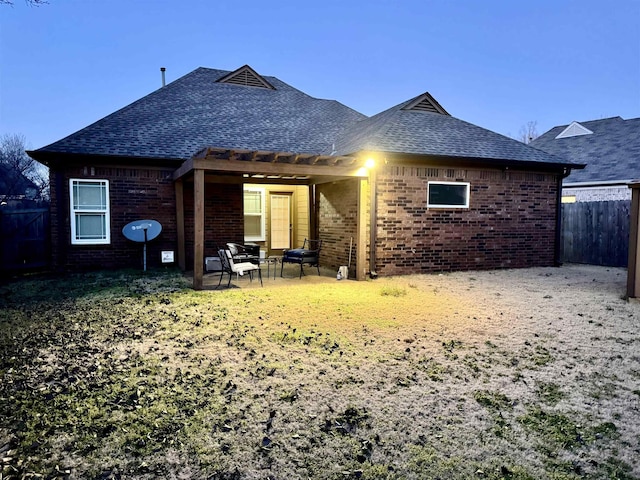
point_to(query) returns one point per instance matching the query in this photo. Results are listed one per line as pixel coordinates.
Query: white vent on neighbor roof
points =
(574, 130)
(247, 77)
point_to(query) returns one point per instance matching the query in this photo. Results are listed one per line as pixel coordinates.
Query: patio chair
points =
(309, 254)
(244, 253)
(230, 267)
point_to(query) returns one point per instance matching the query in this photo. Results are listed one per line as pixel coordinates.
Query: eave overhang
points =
(57, 159)
(595, 183)
(399, 158)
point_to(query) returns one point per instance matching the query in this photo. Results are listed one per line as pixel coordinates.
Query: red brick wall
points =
(223, 218)
(510, 222)
(134, 194)
(337, 221)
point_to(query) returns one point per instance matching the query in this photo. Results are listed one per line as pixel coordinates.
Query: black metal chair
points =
(230, 267)
(309, 254)
(244, 253)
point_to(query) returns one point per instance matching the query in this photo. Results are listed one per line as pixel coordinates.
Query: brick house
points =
(15, 188)
(220, 156)
(597, 199)
(610, 148)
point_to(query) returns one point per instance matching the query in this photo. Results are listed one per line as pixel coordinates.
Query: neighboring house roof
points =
(611, 151)
(14, 184)
(406, 129)
(242, 110)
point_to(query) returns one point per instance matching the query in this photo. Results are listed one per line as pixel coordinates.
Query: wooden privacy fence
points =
(596, 233)
(24, 239)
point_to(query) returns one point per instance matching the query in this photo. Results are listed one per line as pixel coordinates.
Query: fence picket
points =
(596, 233)
(24, 239)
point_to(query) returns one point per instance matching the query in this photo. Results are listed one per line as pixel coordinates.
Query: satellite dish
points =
(142, 231)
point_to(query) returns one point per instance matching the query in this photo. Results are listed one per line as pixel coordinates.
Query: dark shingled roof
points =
(611, 153)
(194, 112)
(397, 130)
(197, 111)
(14, 183)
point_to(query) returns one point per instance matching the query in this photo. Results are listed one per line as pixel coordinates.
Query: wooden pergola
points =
(216, 165)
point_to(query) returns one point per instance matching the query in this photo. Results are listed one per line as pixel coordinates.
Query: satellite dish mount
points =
(142, 231)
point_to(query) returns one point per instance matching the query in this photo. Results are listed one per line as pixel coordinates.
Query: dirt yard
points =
(516, 374)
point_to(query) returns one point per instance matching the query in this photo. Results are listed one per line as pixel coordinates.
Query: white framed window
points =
(448, 194)
(90, 221)
(254, 214)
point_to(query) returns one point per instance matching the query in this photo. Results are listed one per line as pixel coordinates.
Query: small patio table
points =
(271, 260)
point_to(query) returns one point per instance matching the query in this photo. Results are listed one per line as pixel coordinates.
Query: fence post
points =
(633, 271)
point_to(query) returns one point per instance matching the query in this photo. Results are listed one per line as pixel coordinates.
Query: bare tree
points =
(528, 132)
(19, 168)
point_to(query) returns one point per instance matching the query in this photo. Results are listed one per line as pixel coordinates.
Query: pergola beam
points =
(288, 169)
(283, 164)
(184, 169)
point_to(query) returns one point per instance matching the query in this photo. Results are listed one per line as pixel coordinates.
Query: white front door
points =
(280, 220)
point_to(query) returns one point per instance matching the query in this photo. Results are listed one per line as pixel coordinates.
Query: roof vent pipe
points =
(162, 69)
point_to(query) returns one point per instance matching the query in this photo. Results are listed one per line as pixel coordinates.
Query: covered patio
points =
(217, 167)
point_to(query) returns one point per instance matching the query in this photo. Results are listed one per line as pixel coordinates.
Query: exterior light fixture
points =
(370, 163)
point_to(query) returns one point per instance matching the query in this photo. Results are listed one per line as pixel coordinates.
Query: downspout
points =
(558, 241)
(373, 217)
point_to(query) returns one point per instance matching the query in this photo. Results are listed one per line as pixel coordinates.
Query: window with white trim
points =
(254, 214)
(448, 194)
(90, 222)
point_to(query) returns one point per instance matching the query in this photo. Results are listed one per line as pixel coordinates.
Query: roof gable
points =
(425, 103)
(574, 130)
(403, 129)
(245, 76)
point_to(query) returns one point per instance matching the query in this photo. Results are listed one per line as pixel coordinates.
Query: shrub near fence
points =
(24, 239)
(596, 233)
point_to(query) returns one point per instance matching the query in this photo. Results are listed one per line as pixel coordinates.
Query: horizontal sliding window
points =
(448, 194)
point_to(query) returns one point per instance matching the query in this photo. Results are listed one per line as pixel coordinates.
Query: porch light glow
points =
(370, 163)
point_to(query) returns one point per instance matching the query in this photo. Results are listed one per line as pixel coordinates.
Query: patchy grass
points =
(557, 430)
(549, 392)
(393, 291)
(125, 375)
